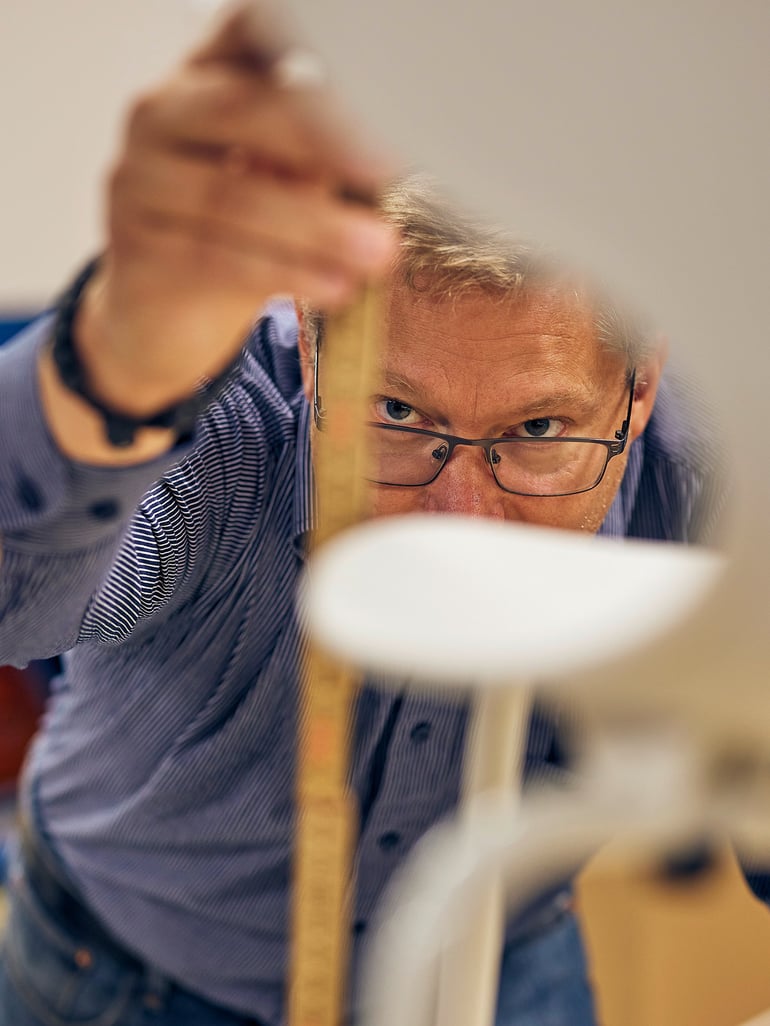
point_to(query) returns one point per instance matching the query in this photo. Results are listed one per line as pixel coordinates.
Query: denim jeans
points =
(544, 980)
(49, 977)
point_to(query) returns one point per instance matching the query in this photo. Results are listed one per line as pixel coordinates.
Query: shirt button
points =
(359, 927)
(420, 732)
(28, 494)
(105, 509)
(389, 841)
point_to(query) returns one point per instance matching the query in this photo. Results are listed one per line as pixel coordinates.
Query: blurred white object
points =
(496, 606)
(458, 599)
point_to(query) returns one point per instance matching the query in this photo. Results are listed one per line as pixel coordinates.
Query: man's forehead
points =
(500, 355)
(537, 392)
(475, 314)
(541, 332)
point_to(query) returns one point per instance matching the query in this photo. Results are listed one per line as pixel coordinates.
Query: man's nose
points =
(466, 485)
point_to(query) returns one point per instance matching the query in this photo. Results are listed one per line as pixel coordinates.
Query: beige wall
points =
(66, 69)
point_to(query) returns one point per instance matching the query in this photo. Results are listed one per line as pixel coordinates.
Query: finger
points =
(243, 276)
(361, 166)
(255, 38)
(297, 219)
(249, 33)
(300, 217)
(287, 221)
(216, 109)
(219, 108)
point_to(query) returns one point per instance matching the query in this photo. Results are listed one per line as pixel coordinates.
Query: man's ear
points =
(648, 375)
(305, 344)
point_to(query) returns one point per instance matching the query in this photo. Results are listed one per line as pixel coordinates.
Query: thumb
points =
(254, 35)
(251, 33)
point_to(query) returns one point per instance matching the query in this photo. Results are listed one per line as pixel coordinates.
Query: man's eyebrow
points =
(575, 398)
(399, 383)
(551, 402)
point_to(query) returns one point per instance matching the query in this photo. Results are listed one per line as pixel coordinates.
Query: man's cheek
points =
(385, 502)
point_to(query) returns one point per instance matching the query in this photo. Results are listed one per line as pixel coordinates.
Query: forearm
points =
(61, 520)
(230, 188)
(125, 387)
(79, 430)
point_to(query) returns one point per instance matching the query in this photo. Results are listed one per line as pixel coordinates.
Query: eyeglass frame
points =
(614, 447)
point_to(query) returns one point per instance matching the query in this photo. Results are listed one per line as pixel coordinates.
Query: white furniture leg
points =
(470, 963)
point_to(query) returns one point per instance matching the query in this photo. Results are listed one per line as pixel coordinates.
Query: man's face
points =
(480, 366)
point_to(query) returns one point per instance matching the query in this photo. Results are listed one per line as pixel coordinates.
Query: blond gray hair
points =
(445, 253)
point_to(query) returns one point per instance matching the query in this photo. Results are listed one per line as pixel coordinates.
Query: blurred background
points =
(662, 956)
(67, 71)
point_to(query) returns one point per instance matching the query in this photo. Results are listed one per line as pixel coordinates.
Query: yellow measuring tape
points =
(327, 813)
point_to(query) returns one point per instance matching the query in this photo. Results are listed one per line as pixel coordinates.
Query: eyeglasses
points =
(409, 457)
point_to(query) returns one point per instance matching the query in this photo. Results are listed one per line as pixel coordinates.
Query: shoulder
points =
(682, 425)
(272, 348)
(681, 488)
(244, 441)
(262, 401)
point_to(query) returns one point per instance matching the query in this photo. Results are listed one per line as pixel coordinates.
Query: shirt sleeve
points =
(92, 553)
(61, 522)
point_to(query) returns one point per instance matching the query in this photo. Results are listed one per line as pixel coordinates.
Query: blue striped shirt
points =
(164, 772)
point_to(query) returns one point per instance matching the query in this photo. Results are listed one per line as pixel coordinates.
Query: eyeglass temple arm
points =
(623, 433)
(319, 412)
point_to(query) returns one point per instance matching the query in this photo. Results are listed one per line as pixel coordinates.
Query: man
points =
(153, 876)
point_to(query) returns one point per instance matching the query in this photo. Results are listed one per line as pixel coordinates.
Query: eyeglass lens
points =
(528, 467)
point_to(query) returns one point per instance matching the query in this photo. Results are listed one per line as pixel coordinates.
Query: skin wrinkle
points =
(477, 367)
(468, 325)
(401, 386)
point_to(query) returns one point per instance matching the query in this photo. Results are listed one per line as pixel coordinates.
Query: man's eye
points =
(394, 411)
(540, 427)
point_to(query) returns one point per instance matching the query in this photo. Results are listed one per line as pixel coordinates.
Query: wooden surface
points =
(697, 955)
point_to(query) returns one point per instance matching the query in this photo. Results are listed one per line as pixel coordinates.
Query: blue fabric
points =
(12, 325)
(49, 976)
(544, 982)
(54, 974)
(164, 773)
